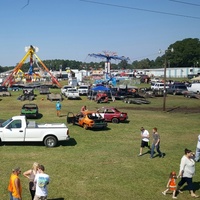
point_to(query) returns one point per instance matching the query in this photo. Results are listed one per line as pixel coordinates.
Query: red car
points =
(111, 114)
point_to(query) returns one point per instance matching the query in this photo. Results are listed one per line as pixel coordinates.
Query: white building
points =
(181, 72)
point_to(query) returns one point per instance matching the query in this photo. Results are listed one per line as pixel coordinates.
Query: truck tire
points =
(115, 120)
(50, 141)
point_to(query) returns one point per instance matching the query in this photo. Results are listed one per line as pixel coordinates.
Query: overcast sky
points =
(72, 29)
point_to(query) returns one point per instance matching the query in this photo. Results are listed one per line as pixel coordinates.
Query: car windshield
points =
(6, 122)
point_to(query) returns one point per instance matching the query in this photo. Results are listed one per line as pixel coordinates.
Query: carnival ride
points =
(109, 56)
(30, 75)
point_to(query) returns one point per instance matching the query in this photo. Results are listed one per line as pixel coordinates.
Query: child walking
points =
(171, 185)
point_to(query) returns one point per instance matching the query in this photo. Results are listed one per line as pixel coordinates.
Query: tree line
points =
(186, 54)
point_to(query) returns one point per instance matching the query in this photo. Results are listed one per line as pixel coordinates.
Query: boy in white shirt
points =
(41, 181)
(145, 140)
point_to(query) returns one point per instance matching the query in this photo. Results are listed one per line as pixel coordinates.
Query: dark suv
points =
(176, 89)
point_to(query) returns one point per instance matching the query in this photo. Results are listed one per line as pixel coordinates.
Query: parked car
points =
(30, 110)
(155, 80)
(176, 89)
(87, 120)
(72, 93)
(54, 97)
(28, 94)
(44, 89)
(83, 90)
(158, 86)
(64, 88)
(4, 91)
(119, 95)
(112, 114)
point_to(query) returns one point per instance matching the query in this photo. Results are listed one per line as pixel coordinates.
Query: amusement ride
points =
(30, 76)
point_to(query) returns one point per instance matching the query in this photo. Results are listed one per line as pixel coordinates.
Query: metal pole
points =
(164, 92)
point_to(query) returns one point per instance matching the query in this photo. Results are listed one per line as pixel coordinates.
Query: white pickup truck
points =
(72, 93)
(18, 129)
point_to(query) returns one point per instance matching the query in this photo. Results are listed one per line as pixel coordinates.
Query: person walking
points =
(171, 185)
(156, 143)
(83, 108)
(41, 181)
(14, 187)
(30, 174)
(187, 171)
(197, 154)
(58, 108)
(145, 140)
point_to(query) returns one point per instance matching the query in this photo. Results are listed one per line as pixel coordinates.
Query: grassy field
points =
(104, 164)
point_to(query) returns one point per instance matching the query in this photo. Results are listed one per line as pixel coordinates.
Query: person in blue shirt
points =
(58, 108)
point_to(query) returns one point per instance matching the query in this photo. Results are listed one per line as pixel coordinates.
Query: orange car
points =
(89, 120)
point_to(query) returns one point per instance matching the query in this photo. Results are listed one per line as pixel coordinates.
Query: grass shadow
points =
(196, 186)
(22, 144)
(56, 199)
(71, 142)
(125, 122)
(147, 152)
(99, 129)
(157, 155)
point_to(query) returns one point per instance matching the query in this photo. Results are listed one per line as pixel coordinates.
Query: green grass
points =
(104, 164)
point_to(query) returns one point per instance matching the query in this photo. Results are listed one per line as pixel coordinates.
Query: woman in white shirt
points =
(187, 170)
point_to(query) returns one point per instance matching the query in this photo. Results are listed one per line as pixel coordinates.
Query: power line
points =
(184, 2)
(26, 4)
(140, 9)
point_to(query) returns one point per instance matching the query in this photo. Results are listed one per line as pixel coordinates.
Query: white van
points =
(194, 87)
(158, 86)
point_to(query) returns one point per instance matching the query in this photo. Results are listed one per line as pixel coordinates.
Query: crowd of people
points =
(38, 181)
(187, 164)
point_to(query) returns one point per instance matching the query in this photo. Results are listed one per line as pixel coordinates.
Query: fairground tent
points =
(96, 89)
(100, 88)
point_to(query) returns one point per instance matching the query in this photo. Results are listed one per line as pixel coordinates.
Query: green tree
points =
(186, 53)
